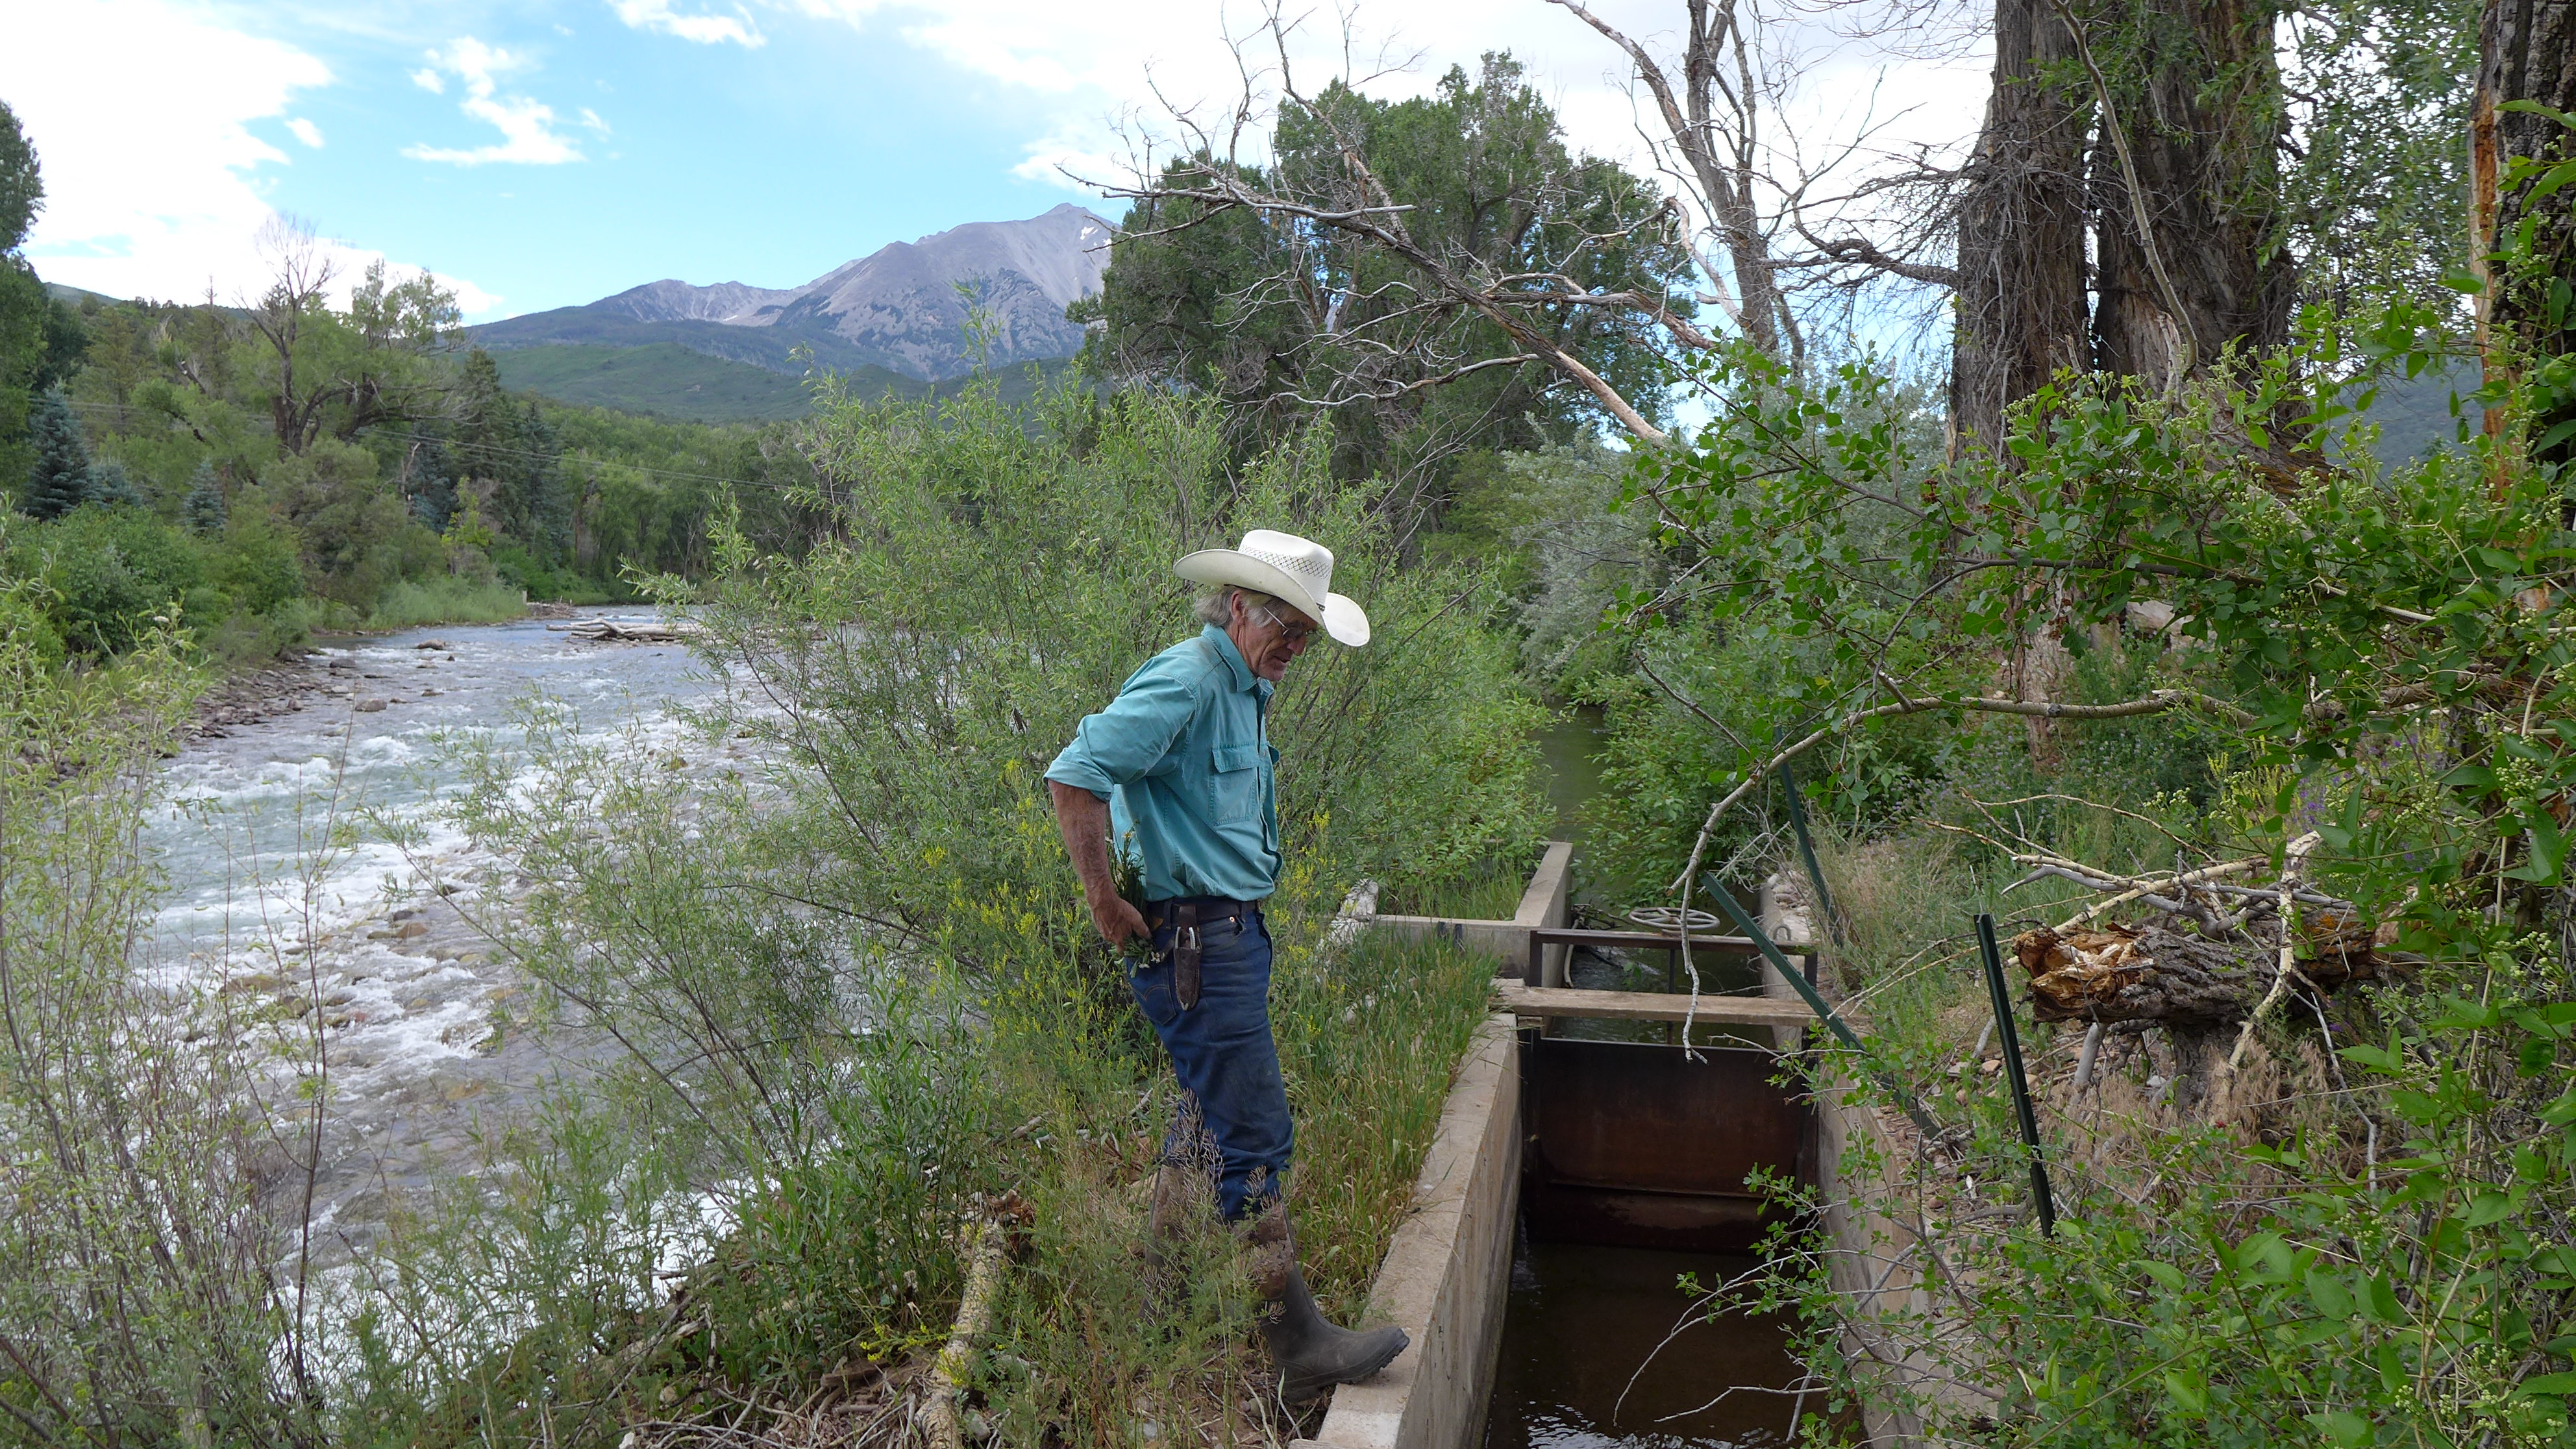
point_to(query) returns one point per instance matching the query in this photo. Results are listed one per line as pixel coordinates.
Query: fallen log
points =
(989, 1244)
(612, 631)
(2154, 974)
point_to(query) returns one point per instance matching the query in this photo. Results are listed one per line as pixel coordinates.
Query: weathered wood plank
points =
(1563, 1001)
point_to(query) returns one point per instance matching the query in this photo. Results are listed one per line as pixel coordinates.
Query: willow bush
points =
(147, 1294)
(985, 583)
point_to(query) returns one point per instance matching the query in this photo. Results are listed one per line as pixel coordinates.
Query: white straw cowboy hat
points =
(1296, 571)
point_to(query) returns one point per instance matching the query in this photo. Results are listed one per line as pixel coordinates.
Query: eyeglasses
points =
(1288, 633)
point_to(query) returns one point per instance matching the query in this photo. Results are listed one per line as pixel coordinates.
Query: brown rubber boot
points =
(1310, 1354)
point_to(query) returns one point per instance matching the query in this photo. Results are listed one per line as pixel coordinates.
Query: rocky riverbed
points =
(291, 907)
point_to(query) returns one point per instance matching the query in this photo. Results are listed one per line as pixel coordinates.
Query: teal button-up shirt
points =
(1184, 760)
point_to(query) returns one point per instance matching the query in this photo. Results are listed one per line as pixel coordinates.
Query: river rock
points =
(369, 706)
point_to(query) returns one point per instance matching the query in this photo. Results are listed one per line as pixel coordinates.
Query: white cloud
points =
(430, 81)
(1161, 55)
(527, 126)
(306, 132)
(659, 17)
(154, 185)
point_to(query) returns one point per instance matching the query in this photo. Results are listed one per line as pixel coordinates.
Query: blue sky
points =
(706, 162)
(544, 154)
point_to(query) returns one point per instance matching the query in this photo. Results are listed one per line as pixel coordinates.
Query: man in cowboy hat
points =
(1178, 771)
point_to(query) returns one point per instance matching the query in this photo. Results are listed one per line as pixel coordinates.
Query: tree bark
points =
(2150, 973)
(2199, 99)
(2021, 306)
(2527, 52)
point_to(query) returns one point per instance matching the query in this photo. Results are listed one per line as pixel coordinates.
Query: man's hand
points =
(1084, 819)
(1116, 919)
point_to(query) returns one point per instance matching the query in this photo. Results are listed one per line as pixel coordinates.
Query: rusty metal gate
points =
(1635, 1145)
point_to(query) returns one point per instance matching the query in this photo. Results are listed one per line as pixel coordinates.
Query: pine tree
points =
(110, 484)
(60, 481)
(203, 508)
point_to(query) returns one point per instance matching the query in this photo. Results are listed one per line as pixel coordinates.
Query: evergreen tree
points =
(203, 508)
(110, 484)
(41, 339)
(510, 444)
(60, 480)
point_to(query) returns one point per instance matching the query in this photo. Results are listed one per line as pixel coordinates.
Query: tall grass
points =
(445, 601)
(1489, 889)
(1091, 1348)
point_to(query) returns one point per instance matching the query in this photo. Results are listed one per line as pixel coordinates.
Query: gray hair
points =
(1217, 606)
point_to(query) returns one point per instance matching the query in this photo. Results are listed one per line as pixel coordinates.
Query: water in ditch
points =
(1602, 1348)
(1569, 749)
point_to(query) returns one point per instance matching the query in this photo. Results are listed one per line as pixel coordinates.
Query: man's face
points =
(1270, 635)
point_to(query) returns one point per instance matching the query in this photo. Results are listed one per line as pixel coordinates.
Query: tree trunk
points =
(2199, 99)
(1726, 182)
(2021, 230)
(2151, 973)
(2527, 52)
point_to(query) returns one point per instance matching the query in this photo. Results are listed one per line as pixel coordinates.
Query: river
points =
(288, 900)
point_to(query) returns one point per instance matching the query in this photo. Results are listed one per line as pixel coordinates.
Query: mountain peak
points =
(903, 307)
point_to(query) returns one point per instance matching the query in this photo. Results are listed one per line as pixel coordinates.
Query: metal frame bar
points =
(2042, 1200)
(1541, 937)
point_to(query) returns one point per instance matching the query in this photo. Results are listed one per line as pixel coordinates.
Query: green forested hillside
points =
(663, 379)
(667, 380)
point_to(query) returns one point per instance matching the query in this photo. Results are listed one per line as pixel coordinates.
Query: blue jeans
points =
(1227, 1064)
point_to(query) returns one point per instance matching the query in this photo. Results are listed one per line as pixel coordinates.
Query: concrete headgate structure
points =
(1621, 1143)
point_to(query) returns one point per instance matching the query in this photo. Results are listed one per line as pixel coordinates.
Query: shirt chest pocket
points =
(1234, 782)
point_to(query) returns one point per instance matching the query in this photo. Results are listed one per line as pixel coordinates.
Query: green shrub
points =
(28, 627)
(242, 637)
(108, 571)
(257, 562)
(146, 1301)
(982, 587)
(445, 601)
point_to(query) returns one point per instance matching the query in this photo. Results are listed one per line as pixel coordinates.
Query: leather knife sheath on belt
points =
(1185, 954)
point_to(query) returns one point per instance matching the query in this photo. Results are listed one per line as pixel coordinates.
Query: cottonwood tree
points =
(2020, 265)
(1713, 113)
(2524, 146)
(331, 373)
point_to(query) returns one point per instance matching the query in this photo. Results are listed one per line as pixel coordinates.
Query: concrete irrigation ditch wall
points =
(1542, 906)
(1446, 1276)
(1873, 1262)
